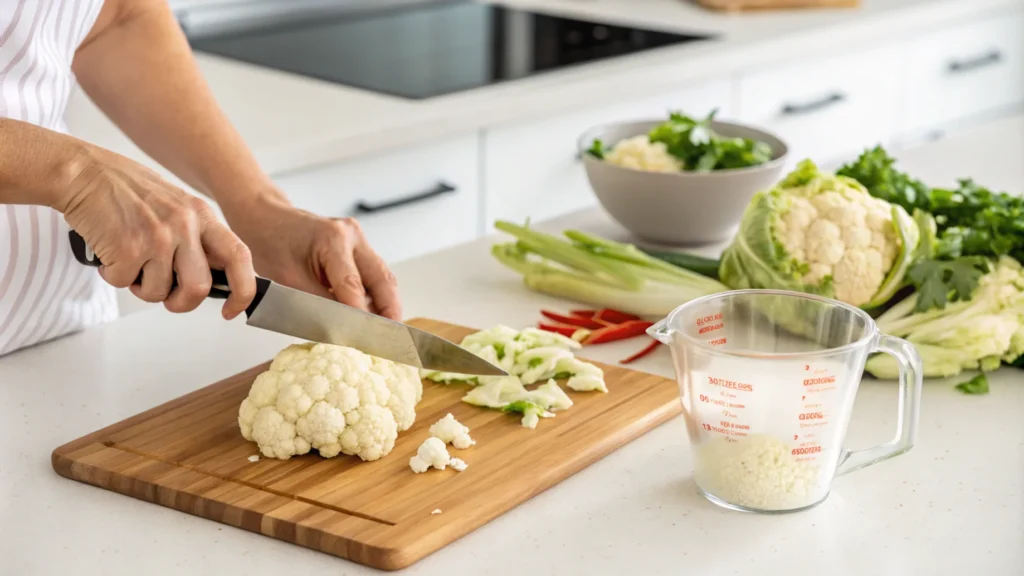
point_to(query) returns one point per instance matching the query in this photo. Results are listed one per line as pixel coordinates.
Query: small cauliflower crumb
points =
(254, 458)
(436, 511)
(451, 431)
(432, 453)
(458, 464)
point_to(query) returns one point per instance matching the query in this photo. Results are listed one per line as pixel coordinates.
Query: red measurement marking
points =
(806, 450)
(725, 431)
(812, 416)
(807, 367)
(715, 381)
(708, 319)
(717, 342)
(710, 328)
(715, 401)
(819, 380)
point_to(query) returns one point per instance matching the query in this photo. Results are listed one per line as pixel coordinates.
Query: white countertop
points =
(293, 122)
(952, 505)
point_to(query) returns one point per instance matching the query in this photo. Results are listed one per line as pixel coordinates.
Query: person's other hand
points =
(135, 221)
(324, 256)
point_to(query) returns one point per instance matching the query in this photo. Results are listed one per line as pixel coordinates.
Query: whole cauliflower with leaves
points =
(823, 234)
(334, 399)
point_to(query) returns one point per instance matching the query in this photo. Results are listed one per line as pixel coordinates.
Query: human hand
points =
(135, 221)
(324, 256)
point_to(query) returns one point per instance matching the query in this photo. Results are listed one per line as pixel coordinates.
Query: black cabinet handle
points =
(798, 109)
(440, 189)
(984, 61)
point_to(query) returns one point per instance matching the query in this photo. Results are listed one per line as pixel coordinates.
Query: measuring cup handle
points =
(909, 408)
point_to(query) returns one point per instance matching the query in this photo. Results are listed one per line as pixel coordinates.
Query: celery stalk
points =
(599, 272)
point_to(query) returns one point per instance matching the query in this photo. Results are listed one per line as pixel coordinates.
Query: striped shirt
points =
(44, 292)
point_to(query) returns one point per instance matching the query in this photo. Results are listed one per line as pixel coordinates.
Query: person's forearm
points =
(138, 68)
(36, 164)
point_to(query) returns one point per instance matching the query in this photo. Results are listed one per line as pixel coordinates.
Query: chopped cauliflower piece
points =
(436, 511)
(334, 399)
(254, 458)
(584, 377)
(431, 454)
(458, 464)
(529, 356)
(552, 396)
(451, 431)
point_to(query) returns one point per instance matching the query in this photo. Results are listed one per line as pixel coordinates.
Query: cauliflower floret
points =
(836, 233)
(451, 431)
(371, 432)
(331, 398)
(639, 153)
(323, 426)
(276, 436)
(432, 453)
(857, 275)
(458, 464)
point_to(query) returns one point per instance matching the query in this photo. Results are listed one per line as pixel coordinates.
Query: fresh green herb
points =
(976, 385)
(874, 170)
(971, 220)
(940, 281)
(701, 149)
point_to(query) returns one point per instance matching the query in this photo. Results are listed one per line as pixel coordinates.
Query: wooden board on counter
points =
(188, 454)
(743, 5)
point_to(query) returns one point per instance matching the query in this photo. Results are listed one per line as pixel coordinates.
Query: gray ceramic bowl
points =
(679, 208)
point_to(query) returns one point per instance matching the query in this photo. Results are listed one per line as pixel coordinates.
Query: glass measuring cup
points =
(767, 380)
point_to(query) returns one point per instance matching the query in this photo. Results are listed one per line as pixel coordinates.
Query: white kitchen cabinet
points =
(827, 109)
(964, 71)
(409, 202)
(533, 170)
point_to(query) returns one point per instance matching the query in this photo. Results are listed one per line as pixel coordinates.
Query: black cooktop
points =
(424, 50)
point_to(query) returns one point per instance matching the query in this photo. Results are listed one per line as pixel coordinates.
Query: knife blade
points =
(310, 317)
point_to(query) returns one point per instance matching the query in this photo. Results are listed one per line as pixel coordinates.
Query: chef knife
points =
(310, 317)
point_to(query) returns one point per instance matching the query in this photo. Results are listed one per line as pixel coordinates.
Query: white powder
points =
(759, 472)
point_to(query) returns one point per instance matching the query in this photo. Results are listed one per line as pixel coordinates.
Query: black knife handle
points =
(220, 288)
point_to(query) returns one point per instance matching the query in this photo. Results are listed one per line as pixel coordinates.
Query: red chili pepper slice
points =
(583, 313)
(572, 320)
(577, 334)
(622, 331)
(614, 316)
(644, 352)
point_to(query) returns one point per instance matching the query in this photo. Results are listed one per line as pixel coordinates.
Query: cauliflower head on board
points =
(334, 399)
(823, 234)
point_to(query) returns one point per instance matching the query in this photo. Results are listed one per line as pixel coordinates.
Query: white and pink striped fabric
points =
(44, 292)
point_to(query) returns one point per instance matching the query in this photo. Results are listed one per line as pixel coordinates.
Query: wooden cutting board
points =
(188, 454)
(744, 5)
